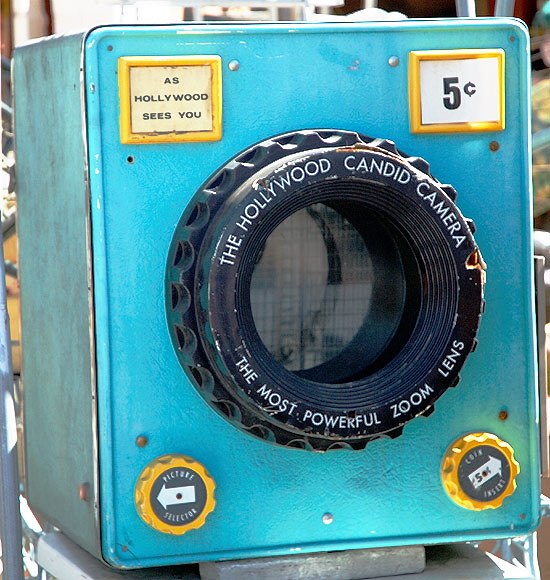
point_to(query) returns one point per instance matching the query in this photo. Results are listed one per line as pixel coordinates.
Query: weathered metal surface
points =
(347, 565)
(53, 210)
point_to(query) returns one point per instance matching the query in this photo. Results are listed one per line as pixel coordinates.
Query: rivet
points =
(494, 145)
(142, 441)
(234, 65)
(503, 415)
(124, 548)
(83, 491)
(393, 61)
(328, 519)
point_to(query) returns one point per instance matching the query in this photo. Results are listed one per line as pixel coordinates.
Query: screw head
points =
(84, 491)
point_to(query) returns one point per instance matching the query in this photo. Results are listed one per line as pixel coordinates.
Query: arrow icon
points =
(176, 495)
(485, 472)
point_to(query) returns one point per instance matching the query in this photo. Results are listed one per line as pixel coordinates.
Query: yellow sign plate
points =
(170, 99)
(456, 90)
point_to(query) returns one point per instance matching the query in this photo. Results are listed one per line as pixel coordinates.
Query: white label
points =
(176, 495)
(487, 471)
(167, 99)
(460, 91)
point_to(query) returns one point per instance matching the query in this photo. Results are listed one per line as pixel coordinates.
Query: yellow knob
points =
(174, 494)
(479, 471)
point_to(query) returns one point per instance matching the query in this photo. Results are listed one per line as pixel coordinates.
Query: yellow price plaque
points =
(170, 99)
(456, 90)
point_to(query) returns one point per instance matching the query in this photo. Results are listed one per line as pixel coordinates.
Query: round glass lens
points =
(327, 291)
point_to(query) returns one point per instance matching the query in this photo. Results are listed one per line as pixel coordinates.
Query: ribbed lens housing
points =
(331, 291)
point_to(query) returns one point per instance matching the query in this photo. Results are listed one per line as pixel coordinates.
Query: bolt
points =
(84, 491)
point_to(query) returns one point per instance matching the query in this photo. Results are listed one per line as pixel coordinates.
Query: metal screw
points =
(393, 61)
(142, 441)
(494, 145)
(234, 65)
(503, 415)
(328, 519)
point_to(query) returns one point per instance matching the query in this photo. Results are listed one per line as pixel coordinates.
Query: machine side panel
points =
(53, 213)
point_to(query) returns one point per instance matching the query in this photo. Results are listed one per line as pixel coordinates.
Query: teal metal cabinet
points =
(162, 174)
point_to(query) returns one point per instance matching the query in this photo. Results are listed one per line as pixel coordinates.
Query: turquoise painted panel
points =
(54, 273)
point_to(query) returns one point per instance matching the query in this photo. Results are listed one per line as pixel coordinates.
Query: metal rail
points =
(10, 517)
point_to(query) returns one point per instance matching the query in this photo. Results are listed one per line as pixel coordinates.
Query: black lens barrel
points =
(403, 343)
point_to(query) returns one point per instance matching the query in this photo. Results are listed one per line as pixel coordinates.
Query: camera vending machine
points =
(251, 282)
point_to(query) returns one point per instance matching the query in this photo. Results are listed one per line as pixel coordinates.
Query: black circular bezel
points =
(178, 514)
(208, 300)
